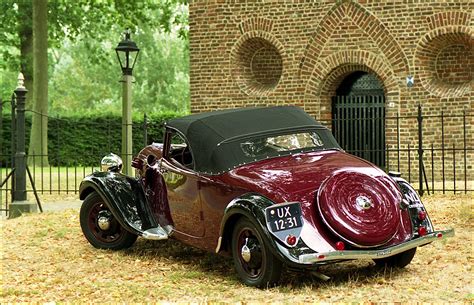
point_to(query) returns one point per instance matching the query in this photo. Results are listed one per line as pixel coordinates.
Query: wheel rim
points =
(103, 225)
(249, 251)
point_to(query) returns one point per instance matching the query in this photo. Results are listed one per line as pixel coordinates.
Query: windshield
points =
(282, 144)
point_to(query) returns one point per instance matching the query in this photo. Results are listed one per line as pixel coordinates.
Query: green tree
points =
(161, 75)
(69, 19)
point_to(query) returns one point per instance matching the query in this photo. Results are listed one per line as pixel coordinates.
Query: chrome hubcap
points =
(363, 202)
(104, 223)
(245, 252)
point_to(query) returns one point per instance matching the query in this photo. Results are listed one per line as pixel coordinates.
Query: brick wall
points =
(247, 53)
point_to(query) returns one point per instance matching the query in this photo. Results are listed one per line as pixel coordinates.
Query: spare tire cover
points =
(361, 209)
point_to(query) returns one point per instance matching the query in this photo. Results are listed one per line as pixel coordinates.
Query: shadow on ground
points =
(222, 266)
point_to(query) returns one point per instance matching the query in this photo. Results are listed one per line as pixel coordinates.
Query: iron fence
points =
(433, 151)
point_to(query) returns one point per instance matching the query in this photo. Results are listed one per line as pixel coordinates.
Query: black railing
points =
(441, 145)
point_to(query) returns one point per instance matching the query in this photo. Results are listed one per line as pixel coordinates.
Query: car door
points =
(182, 185)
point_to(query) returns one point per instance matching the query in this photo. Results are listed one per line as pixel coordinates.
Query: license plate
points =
(282, 217)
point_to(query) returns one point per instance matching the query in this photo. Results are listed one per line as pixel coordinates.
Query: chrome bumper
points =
(374, 254)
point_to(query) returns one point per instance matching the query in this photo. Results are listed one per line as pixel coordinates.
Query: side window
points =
(179, 151)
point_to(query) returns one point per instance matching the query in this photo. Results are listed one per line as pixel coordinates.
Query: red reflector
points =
(321, 256)
(439, 235)
(421, 215)
(422, 231)
(291, 240)
(340, 246)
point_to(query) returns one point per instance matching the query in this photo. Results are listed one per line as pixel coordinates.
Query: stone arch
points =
(449, 49)
(257, 60)
(328, 74)
(367, 22)
(337, 76)
(443, 19)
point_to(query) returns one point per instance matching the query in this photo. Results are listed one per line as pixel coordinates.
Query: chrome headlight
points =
(111, 163)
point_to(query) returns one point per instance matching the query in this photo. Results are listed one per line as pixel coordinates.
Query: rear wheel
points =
(254, 263)
(398, 261)
(100, 227)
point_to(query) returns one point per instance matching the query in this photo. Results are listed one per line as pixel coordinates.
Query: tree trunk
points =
(38, 149)
(25, 30)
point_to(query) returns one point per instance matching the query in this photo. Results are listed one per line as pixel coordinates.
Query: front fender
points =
(251, 206)
(124, 197)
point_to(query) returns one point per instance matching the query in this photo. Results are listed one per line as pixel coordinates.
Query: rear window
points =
(282, 144)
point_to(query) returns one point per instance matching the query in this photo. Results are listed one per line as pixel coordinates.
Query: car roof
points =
(208, 132)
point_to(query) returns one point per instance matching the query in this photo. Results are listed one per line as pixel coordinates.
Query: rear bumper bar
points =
(374, 254)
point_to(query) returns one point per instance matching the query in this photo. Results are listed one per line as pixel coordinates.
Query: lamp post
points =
(127, 53)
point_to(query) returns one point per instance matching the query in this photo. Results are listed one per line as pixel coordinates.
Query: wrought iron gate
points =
(358, 123)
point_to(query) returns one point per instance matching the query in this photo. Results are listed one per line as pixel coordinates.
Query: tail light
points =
(422, 231)
(340, 246)
(291, 240)
(421, 215)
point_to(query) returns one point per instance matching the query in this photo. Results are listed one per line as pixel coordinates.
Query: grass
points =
(45, 258)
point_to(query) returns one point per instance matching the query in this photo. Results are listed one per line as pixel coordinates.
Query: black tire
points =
(115, 237)
(264, 269)
(397, 261)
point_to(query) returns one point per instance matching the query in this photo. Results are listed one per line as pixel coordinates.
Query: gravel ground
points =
(45, 258)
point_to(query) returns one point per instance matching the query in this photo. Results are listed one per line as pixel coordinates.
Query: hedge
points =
(83, 140)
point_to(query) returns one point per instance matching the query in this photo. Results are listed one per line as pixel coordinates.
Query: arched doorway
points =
(358, 116)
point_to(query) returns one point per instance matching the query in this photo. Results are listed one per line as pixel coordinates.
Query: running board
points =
(158, 233)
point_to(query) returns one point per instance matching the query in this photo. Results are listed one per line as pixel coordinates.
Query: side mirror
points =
(111, 163)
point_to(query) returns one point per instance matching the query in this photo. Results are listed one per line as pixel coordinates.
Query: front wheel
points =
(100, 227)
(254, 263)
(399, 261)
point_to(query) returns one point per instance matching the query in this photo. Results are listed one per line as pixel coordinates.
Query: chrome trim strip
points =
(374, 254)
(219, 243)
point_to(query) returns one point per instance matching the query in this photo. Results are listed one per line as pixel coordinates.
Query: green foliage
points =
(8, 82)
(83, 71)
(161, 76)
(87, 19)
(84, 140)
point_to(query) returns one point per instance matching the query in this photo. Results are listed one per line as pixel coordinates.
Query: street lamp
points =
(127, 53)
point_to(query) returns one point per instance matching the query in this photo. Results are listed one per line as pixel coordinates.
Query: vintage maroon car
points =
(270, 186)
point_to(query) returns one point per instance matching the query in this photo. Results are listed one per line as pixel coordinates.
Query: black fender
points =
(251, 206)
(125, 198)
(413, 202)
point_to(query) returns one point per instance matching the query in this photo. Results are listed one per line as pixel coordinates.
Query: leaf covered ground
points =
(45, 258)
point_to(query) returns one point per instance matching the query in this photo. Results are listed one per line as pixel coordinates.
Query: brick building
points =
(324, 55)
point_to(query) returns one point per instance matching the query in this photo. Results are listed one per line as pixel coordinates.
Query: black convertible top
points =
(213, 136)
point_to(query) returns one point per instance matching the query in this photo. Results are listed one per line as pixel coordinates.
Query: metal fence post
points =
(13, 130)
(12, 141)
(420, 150)
(19, 204)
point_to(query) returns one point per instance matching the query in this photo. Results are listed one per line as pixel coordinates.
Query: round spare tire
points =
(362, 210)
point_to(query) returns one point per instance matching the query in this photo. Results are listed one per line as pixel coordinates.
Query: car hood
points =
(296, 177)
